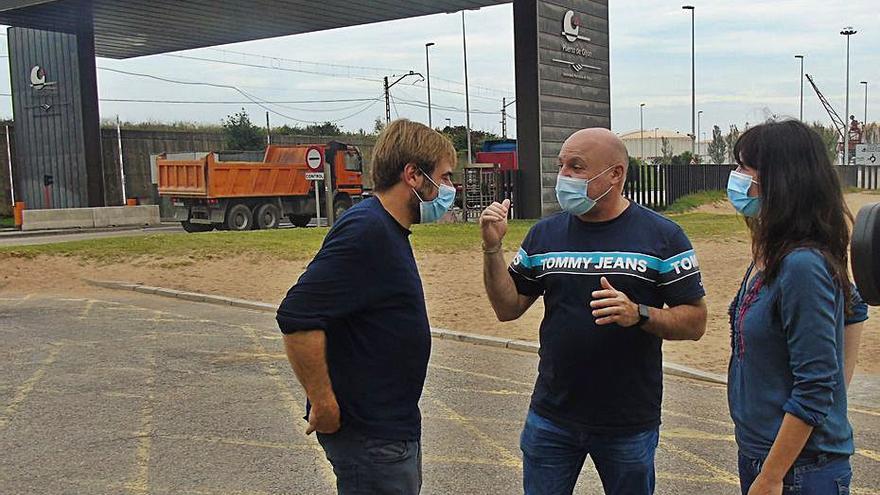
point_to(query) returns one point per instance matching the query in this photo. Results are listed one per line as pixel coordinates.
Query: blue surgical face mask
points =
(572, 193)
(738, 186)
(431, 211)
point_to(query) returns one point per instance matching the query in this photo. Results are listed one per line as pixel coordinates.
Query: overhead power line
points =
(253, 99)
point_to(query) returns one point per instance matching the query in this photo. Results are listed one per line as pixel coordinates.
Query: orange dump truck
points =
(224, 191)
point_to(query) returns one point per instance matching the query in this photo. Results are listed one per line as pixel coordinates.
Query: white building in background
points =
(652, 143)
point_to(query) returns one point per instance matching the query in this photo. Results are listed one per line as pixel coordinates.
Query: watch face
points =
(643, 312)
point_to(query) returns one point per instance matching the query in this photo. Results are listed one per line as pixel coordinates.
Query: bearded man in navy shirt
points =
(617, 279)
(355, 325)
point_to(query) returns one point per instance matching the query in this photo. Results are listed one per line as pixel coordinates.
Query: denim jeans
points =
(553, 456)
(373, 466)
(824, 475)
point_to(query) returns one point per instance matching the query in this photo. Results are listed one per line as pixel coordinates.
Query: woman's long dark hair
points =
(801, 199)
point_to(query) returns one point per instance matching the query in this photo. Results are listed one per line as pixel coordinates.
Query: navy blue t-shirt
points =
(364, 291)
(603, 378)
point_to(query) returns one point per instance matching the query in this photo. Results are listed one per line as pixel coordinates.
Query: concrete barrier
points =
(69, 218)
(118, 216)
(90, 218)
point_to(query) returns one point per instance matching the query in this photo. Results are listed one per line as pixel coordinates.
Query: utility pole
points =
(504, 106)
(467, 99)
(428, 68)
(388, 93)
(268, 130)
(801, 57)
(865, 122)
(641, 132)
(847, 31)
(693, 80)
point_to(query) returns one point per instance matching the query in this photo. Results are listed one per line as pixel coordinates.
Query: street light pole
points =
(865, 122)
(467, 99)
(801, 57)
(428, 70)
(641, 132)
(693, 76)
(699, 126)
(655, 142)
(847, 31)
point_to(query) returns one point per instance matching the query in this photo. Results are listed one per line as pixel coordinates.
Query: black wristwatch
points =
(644, 314)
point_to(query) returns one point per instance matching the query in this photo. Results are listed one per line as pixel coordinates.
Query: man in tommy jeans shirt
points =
(617, 279)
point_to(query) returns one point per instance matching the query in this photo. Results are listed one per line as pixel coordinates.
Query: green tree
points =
(666, 151)
(458, 136)
(325, 129)
(731, 139)
(685, 158)
(241, 133)
(717, 148)
(830, 137)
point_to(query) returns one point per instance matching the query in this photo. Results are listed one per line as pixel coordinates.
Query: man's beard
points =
(415, 204)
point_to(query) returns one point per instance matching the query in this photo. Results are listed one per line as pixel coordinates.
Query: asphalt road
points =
(124, 393)
(15, 238)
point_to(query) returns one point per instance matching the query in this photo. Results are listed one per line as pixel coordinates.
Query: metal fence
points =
(860, 176)
(658, 186)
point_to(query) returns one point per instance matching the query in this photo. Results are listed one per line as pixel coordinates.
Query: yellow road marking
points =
(870, 454)
(293, 407)
(481, 375)
(720, 474)
(691, 434)
(508, 457)
(864, 411)
(22, 392)
(243, 442)
(141, 482)
(702, 480)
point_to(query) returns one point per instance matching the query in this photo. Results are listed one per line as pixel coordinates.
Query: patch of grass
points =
(6, 222)
(691, 201)
(854, 190)
(700, 226)
(288, 244)
(450, 238)
(187, 250)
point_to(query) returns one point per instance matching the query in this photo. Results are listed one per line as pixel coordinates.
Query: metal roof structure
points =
(134, 28)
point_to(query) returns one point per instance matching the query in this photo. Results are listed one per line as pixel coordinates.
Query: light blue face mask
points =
(738, 186)
(572, 193)
(431, 211)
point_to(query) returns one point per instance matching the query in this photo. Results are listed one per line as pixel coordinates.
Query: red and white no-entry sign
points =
(314, 159)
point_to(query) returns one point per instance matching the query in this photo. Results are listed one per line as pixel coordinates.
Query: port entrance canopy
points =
(134, 28)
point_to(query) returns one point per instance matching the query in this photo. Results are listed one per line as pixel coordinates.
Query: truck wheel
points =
(340, 204)
(268, 216)
(196, 227)
(299, 220)
(239, 217)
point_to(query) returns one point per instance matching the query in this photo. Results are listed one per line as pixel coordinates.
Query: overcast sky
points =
(745, 50)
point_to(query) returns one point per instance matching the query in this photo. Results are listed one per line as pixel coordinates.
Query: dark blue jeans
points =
(824, 475)
(373, 466)
(554, 455)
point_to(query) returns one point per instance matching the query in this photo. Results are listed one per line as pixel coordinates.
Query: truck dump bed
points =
(282, 173)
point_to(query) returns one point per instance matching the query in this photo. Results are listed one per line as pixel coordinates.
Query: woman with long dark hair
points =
(786, 386)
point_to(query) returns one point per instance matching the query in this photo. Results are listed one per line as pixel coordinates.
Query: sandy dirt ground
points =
(453, 288)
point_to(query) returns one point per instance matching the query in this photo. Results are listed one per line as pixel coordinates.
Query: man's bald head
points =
(597, 147)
